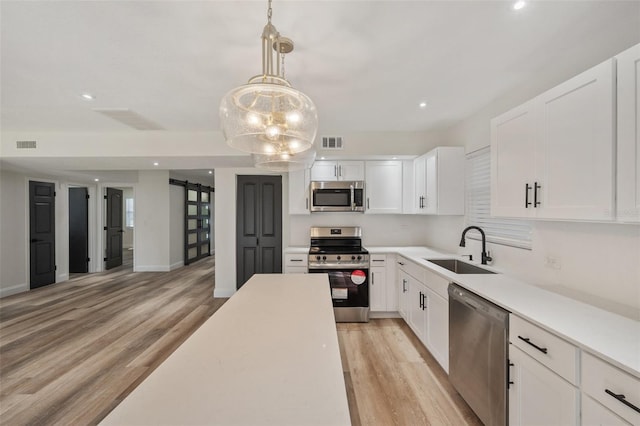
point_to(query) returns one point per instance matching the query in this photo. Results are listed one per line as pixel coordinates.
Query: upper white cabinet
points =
(439, 182)
(553, 157)
(299, 197)
(337, 170)
(628, 64)
(383, 187)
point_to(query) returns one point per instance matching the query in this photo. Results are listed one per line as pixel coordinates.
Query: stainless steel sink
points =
(459, 267)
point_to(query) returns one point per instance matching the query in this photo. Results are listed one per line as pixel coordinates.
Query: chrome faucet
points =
(485, 255)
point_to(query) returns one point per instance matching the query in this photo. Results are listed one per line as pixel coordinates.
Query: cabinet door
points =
(384, 187)
(538, 396)
(629, 135)
(403, 294)
(378, 291)
(576, 145)
(417, 310)
(324, 170)
(513, 148)
(299, 192)
(420, 189)
(351, 170)
(295, 270)
(438, 327)
(431, 183)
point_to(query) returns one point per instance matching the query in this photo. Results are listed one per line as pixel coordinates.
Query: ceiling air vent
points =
(332, 142)
(26, 144)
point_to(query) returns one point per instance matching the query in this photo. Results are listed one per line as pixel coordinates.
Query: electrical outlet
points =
(552, 262)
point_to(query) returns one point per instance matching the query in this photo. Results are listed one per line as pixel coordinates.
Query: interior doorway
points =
(42, 234)
(78, 230)
(118, 228)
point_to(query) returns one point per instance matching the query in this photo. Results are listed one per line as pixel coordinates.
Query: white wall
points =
(152, 225)
(176, 224)
(13, 226)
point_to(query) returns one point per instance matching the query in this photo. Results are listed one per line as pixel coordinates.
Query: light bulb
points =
(269, 149)
(253, 119)
(284, 156)
(294, 144)
(272, 132)
(293, 117)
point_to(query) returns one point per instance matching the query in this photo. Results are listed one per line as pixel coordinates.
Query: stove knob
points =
(353, 258)
(359, 257)
(324, 257)
(317, 257)
(338, 258)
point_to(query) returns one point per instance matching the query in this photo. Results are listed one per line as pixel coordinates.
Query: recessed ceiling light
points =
(422, 104)
(96, 180)
(519, 5)
(394, 158)
(322, 158)
(156, 163)
(87, 96)
(210, 172)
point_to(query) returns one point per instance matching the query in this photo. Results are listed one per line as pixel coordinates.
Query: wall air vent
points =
(332, 142)
(129, 118)
(26, 144)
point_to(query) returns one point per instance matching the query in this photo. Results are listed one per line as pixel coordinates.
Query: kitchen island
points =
(269, 356)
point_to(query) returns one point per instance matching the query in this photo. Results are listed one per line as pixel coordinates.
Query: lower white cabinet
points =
(296, 263)
(383, 296)
(594, 414)
(437, 338)
(417, 308)
(403, 293)
(537, 395)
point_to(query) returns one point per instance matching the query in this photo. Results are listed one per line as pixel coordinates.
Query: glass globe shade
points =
(267, 118)
(285, 162)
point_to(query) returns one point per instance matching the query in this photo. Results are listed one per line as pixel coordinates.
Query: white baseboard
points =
(223, 292)
(62, 277)
(14, 289)
(151, 268)
(384, 315)
(176, 265)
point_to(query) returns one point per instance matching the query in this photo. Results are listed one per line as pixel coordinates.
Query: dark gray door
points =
(78, 230)
(114, 228)
(258, 226)
(42, 235)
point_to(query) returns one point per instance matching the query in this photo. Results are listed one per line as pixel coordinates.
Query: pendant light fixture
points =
(285, 162)
(267, 116)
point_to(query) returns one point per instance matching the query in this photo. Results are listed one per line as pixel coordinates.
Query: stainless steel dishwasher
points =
(478, 364)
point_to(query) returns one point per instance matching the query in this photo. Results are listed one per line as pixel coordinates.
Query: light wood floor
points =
(70, 352)
(392, 379)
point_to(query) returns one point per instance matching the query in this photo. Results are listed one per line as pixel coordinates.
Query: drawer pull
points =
(527, 340)
(620, 397)
(296, 260)
(377, 260)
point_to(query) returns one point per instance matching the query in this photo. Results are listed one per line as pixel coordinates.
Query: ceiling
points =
(366, 64)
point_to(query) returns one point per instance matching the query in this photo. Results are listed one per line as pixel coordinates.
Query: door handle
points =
(121, 231)
(527, 188)
(36, 240)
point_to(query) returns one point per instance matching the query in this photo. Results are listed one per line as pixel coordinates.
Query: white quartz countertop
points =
(612, 337)
(269, 356)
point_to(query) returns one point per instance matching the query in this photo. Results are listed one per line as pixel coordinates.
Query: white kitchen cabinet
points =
(538, 396)
(403, 294)
(437, 329)
(378, 283)
(337, 170)
(299, 199)
(628, 177)
(566, 136)
(417, 308)
(296, 263)
(611, 387)
(595, 414)
(513, 148)
(383, 187)
(439, 182)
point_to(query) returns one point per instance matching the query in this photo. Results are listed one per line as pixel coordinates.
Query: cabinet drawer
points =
(436, 283)
(598, 377)
(296, 260)
(558, 355)
(378, 260)
(416, 271)
(595, 414)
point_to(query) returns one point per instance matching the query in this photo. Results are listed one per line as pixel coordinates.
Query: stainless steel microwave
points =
(337, 196)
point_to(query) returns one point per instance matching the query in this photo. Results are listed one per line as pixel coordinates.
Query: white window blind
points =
(511, 232)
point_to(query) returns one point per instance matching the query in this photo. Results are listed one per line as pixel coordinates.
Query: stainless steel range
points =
(338, 251)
